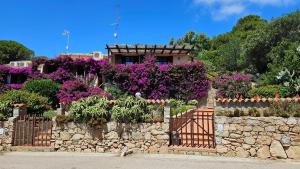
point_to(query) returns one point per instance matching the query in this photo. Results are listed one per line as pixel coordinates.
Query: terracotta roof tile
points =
(258, 99)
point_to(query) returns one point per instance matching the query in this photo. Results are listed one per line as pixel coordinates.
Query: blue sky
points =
(39, 24)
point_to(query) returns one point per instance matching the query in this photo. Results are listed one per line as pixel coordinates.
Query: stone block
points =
(277, 150)
(284, 128)
(77, 137)
(221, 149)
(249, 140)
(264, 152)
(291, 121)
(293, 152)
(240, 152)
(65, 136)
(252, 152)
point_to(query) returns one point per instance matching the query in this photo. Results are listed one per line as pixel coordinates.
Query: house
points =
(165, 54)
(20, 64)
(95, 55)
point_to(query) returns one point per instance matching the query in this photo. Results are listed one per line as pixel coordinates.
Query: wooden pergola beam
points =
(117, 46)
(144, 49)
(171, 51)
(181, 49)
(163, 49)
(136, 49)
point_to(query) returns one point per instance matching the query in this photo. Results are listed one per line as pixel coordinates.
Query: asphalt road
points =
(54, 160)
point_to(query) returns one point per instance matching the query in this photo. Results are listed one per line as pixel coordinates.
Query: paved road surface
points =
(20, 160)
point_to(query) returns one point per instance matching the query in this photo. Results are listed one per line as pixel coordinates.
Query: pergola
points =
(156, 50)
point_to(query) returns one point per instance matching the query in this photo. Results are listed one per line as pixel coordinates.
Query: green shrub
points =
(34, 103)
(192, 102)
(94, 108)
(3, 117)
(176, 103)
(254, 112)
(49, 114)
(269, 91)
(114, 91)
(284, 109)
(130, 110)
(181, 109)
(44, 87)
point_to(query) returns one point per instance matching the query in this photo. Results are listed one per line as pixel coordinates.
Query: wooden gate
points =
(194, 128)
(32, 131)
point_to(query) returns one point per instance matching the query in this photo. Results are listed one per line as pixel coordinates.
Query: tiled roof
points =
(151, 101)
(258, 99)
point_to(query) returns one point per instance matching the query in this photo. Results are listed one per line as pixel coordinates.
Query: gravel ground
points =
(55, 160)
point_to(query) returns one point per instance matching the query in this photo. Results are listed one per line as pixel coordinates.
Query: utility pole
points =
(67, 33)
(116, 25)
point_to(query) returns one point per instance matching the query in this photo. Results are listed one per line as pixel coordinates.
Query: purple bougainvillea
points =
(76, 89)
(187, 81)
(232, 86)
(15, 86)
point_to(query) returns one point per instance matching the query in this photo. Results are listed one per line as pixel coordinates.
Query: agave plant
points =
(289, 79)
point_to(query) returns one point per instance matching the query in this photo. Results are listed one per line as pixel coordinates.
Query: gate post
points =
(167, 112)
(19, 110)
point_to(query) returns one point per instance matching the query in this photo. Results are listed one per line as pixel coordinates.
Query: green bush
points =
(114, 91)
(269, 91)
(44, 87)
(94, 108)
(192, 102)
(254, 112)
(176, 103)
(34, 103)
(181, 109)
(130, 110)
(285, 109)
(49, 114)
(3, 117)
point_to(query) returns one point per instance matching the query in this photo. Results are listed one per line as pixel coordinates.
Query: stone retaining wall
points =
(6, 133)
(111, 137)
(262, 137)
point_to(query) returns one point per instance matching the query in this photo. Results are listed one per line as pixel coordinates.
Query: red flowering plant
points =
(232, 86)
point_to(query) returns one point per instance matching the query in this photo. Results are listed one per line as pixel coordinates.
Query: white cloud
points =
(272, 2)
(229, 10)
(222, 9)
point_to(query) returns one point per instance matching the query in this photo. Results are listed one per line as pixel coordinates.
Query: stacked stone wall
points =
(261, 137)
(111, 137)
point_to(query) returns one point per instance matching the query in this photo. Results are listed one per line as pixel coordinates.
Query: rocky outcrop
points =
(261, 137)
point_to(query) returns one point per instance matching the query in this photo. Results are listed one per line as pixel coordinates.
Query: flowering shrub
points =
(186, 81)
(12, 70)
(232, 86)
(14, 86)
(59, 76)
(76, 89)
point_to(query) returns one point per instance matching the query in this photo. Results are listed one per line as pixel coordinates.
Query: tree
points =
(12, 50)
(264, 46)
(201, 42)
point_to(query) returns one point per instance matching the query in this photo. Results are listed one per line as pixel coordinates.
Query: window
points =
(129, 60)
(163, 60)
